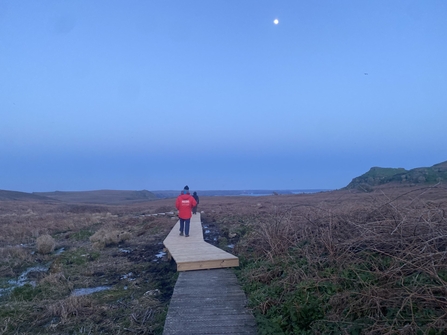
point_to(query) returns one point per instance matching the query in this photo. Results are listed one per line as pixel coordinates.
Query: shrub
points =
(45, 244)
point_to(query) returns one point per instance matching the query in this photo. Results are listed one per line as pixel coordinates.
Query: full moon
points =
(275, 21)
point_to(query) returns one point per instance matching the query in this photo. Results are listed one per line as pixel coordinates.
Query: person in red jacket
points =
(185, 203)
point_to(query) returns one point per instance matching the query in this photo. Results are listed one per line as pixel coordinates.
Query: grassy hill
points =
(100, 196)
(378, 176)
(21, 196)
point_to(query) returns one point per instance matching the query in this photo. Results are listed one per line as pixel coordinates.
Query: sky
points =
(157, 94)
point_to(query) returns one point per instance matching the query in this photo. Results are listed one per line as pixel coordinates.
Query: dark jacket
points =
(195, 196)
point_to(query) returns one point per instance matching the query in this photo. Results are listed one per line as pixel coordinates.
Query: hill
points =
(100, 196)
(22, 196)
(113, 197)
(378, 176)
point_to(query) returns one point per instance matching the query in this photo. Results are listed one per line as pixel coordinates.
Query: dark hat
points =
(186, 188)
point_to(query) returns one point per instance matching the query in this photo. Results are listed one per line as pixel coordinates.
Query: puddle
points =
(22, 280)
(160, 254)
(125, 251)
(85, 291)
(128, 276)
(210, 234)
(59, 251)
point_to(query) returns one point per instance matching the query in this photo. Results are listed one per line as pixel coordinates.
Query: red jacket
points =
(184, 204)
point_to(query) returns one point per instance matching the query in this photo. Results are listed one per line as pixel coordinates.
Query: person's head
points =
(195, 193)
(186, 190)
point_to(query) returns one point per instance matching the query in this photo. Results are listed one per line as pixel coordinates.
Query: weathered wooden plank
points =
(203, 265)
(204, 331)
(205, 311)
(209, 302)
(222, 330)
(199, 250)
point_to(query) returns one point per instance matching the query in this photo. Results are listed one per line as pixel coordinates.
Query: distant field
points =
(100, 196)
(114, 197)
(216, 193)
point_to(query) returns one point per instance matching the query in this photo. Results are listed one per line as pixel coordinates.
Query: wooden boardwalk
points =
(208, 302)
(193, 253)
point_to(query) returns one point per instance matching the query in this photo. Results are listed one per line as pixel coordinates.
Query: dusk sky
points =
(157, 94)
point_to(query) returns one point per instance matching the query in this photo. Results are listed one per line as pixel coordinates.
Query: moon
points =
(275, 21)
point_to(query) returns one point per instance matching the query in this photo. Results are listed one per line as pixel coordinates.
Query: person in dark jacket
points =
(185, 203)
(196, 197)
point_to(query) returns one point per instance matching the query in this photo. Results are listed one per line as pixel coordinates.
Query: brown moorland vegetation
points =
(114, 197)
(53, 255)
(340, 262)
(343, 262)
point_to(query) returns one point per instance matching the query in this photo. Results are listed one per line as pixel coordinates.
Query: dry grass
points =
(344, 262)
(384, 257)
(126, 266)
(45, 244)
(335, 262)
(13, 257)
(104, 238)
(70, 307)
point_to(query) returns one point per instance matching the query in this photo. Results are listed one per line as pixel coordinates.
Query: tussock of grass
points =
(12, 257)
(45, 244)
(104, 238)
(71, 306)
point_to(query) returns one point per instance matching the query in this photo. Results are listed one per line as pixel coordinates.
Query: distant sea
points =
(245, 193)
(267, 193)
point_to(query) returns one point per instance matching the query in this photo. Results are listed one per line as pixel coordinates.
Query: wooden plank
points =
(189, 266)
(208, 302)
(202, 252)
(202, 260)
(193, 253)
